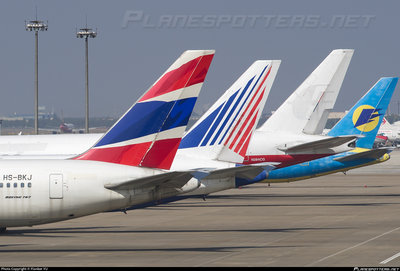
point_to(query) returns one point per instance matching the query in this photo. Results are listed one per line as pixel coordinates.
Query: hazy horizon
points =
(138, 40)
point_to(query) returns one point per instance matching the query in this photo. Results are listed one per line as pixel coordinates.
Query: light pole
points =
(36, 26)
(86, 33)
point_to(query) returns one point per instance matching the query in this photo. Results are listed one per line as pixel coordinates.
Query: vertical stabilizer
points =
(307, 107)
(319, 116)
(149, 133)
(224, 131)
(365, 117)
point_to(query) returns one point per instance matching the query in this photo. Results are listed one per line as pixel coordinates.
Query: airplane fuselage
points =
(44, 191)
(268, 147)
(319, 167)
(65, 146)
(264, 147)
(393, 135)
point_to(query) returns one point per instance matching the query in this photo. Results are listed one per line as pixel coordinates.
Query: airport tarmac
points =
(336, 220)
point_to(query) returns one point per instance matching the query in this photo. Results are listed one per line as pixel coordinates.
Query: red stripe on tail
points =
(248, 117)
(190, 73)
(126, 155)
(236, 126)
(243, 137)
(248, 130)
(243, 151)
(162, 153)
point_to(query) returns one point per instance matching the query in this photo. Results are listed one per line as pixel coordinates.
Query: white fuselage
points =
(269, 143)
(69, 145)
(392, 134)
(44, 191)
(55, 189)
(58, 146)
(61, 146)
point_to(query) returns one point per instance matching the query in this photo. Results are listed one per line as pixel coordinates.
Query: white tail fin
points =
(307, 109)
(224, 131)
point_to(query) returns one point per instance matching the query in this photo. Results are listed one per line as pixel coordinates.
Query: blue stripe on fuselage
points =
(324, 165)
(318, 166)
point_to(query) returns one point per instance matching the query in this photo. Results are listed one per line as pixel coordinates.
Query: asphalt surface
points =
(335, 220)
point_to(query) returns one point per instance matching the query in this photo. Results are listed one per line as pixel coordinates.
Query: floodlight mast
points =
(86, 33)
(36, 26)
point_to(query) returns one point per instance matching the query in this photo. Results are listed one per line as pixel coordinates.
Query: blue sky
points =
(138, 40)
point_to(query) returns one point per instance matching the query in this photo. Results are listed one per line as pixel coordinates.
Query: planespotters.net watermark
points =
(24, 268)
(198, 21)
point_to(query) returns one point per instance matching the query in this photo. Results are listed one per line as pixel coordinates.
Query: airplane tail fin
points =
(224, 131)
(385, 124)
(149, 133)
(307, 108)
(365, 117)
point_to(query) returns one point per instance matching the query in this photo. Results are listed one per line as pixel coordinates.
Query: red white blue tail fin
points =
(149, 133)
(224, 131)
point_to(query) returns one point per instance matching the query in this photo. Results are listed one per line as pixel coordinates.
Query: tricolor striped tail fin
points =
(149, 133)
(224, 131)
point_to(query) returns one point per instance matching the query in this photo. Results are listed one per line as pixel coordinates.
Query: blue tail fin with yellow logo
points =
(365, 117)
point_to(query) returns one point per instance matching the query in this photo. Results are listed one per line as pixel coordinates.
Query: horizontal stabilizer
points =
(247, 172)
(174, 180)
(325, 143)
(370, 154)
(177, 179)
